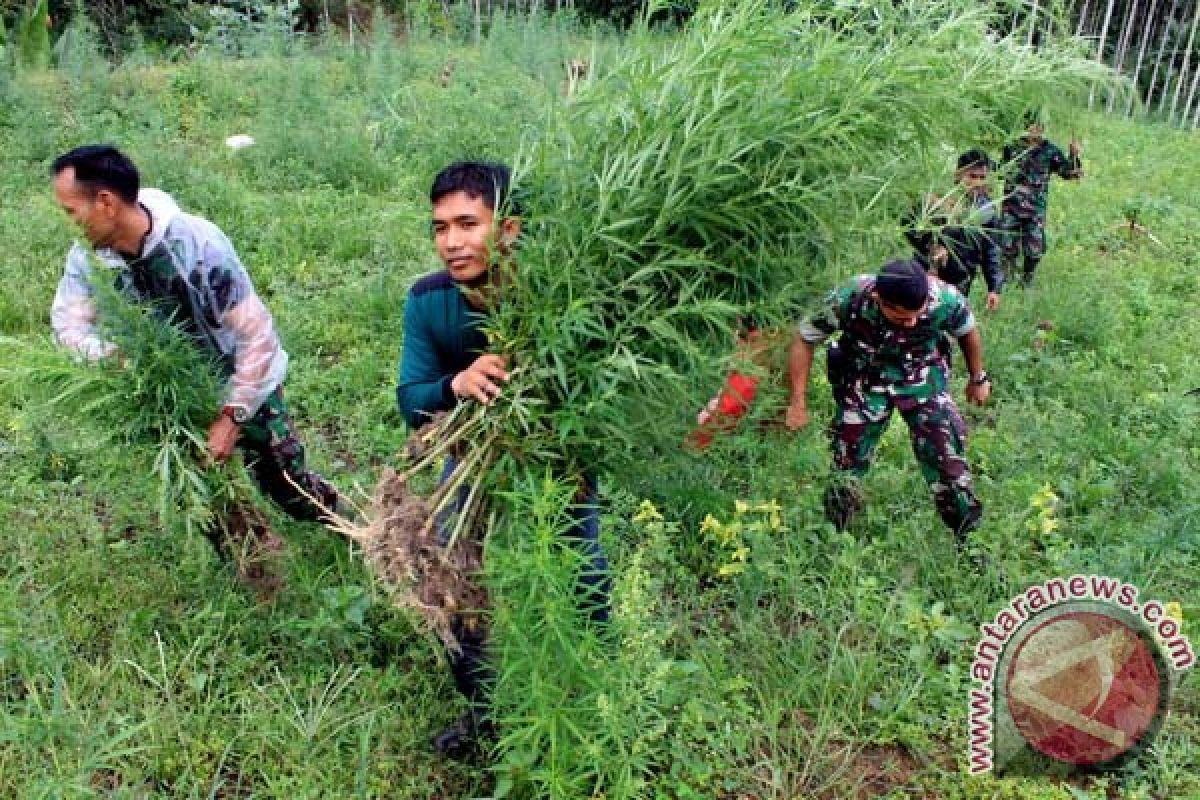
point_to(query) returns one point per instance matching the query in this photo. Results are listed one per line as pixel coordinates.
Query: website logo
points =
(1074, 672)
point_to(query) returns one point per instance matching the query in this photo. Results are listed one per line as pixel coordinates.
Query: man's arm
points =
(73, 312)
(810, 334)
(993, 272)
(972, 349)
(800, 359)
(979, 385)
(1067, 167)
(424, 386)
(257, 367)
(259, 362)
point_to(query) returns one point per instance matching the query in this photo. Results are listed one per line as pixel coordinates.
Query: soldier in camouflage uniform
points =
(887, 357)
(1028, 165)
(185, 266)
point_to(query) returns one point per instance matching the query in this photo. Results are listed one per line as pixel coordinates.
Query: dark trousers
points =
(470, 667)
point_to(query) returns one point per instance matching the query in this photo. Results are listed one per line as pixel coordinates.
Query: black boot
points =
(1031, 265)
(961, 521)
(466, 738)
(842, 504)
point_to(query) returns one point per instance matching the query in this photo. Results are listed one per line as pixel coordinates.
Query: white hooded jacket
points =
(188, 261)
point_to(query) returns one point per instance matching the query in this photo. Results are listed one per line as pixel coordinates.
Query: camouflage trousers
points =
(1024, 232)
(939, 437)
(274, 454)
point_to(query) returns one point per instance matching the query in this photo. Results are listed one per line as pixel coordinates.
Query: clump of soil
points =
(401, 545)
(245, 535)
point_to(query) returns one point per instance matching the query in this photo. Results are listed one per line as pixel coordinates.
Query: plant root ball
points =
(401, 545)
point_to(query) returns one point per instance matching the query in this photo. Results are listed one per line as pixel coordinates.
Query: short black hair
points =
(101, 166)
(974, 158)
(489, 180)
(903, 283)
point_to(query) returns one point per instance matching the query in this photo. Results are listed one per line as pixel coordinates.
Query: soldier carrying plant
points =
(186, 269)
(968, 241)
(447, 360)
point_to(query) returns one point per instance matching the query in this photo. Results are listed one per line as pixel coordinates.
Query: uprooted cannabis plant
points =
(156, 394)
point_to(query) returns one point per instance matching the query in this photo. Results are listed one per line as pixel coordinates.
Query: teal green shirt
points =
(442, 337)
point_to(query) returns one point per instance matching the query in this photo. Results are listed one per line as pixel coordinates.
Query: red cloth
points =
(738, 395)
(732, 404)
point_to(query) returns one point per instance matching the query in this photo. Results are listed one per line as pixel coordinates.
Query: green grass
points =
(132, 665)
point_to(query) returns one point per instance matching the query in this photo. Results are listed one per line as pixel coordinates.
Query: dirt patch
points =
(876, 770)
(105, 781)
(245, 535)
(233, 784)
(852, 771)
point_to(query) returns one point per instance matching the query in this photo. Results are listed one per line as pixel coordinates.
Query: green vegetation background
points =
(132, 665)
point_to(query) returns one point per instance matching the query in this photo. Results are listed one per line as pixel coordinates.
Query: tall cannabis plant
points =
(157, 393)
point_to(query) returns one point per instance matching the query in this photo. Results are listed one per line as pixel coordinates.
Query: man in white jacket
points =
(156, 253)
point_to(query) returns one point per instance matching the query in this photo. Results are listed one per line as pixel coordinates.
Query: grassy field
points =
(132, 665)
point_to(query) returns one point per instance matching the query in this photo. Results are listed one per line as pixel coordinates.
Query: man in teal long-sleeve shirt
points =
(442, 339)
(446, 361)
(444, 356)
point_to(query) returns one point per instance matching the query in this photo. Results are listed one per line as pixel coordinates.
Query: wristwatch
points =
(238, 414)
(981, 379)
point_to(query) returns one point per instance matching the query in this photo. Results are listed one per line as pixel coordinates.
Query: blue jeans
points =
(470, 667)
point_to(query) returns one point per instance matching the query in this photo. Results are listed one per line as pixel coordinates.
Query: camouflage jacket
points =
(189, 269)
(1028, 174)
(905, 361)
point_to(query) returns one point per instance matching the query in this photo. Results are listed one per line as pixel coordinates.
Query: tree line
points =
(1153, 43)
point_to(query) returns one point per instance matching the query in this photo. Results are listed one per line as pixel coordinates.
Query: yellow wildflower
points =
(1045, 498)
(647, 512)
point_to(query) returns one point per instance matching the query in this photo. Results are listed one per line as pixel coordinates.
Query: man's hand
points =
(797, 416)
(938, 256)
(222, 436)
(1074, 148)
(978, 393)
(706, 413)
(993, 301)
(481, 379)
